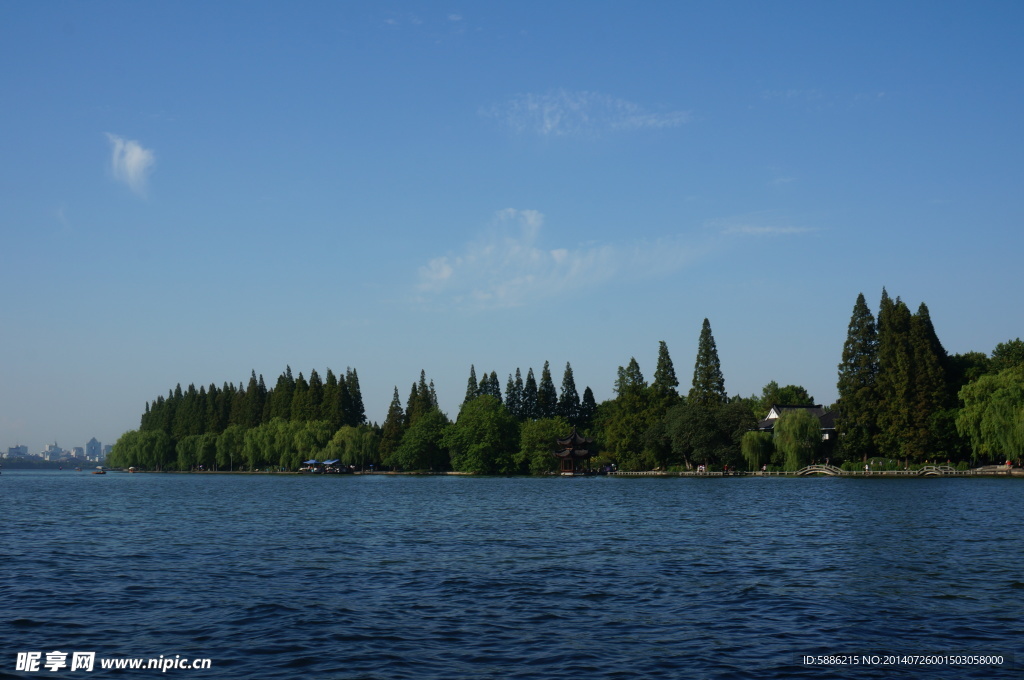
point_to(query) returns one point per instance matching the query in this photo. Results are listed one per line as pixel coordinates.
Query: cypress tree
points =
(630, 381)
(511, 397)
(895, 377)
(356, 410)
(329, 410)
(665, 380)
(472, 388)
(858, 375)
(569, 399)
(281, 401)
(708, 383)
(588, 409)
(930, 432)
(495, 387)
(421, 400)
(547, 397)
(392, 430)
(514, 395)
(300, 400)
(529, 410)
(343, 403)
(315, 397)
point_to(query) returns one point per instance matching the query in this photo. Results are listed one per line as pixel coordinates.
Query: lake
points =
(390, 577)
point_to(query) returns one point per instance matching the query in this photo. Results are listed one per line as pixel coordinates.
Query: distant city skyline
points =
(193, 191)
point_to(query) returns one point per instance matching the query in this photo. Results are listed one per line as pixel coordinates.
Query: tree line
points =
(901, 397)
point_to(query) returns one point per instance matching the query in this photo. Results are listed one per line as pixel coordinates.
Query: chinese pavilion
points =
(572, 452)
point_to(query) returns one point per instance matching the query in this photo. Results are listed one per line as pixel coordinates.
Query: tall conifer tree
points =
(895, 377)
(392, 430)
(315, 407)
(708, 387)
(588, 409)
(472, 387)
(357, 409)
(300, 400)
(328, 408)
(931, 428)
(547, 397)
(281, 401)
(569, 398)
(511, 398)
(529, 411)
(858, 375)
(665, 380)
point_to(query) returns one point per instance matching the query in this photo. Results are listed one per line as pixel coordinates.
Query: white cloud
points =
(749, 229)
(566, 113)
(130, 163)
(510, 266)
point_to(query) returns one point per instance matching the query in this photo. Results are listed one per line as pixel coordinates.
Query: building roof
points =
(825, 417)
(574, 446)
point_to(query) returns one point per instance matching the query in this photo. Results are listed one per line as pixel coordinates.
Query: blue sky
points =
(190, 191)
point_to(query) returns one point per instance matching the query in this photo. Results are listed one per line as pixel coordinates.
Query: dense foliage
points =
(901, 397)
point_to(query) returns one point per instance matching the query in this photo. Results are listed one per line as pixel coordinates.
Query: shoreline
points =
(987, 472)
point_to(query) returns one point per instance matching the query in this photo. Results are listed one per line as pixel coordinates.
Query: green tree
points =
(625, 420)
(797, 436)
(421, 400)
(302, 409)
(422, 445)
(992, 417)
(537, 443)
(757, 448)
(789, 395)
(895, 383)
(569, 398)
(229, 447)
(588, 409)
(355, 411)
(254, 401)
(315, 397)
(1007, 355)
(547, 397)
(529, 408)
(514, 395)
(858, 390)
(281, 397)
(665, 381)
(309, 439)
(484, 438)
(392, 430)
(472, 387)
(708, 388)
(932, 432)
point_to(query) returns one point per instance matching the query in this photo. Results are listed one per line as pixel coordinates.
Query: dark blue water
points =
(449, 577)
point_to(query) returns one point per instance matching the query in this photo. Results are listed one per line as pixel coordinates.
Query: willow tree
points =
(993, 415)
(757, 448)
(797, 436)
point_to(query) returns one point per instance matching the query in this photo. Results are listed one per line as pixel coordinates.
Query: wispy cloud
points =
(510, 266)
(754, 227)
(130, 162)
(566, 113)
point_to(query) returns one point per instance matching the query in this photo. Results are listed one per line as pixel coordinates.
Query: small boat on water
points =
(99, 470)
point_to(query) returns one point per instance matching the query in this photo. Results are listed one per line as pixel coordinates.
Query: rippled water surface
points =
(451, 577)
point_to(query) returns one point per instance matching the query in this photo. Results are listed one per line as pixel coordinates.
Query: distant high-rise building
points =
(20, 451)
(53, 452)
(106, 450)
(93, 450)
